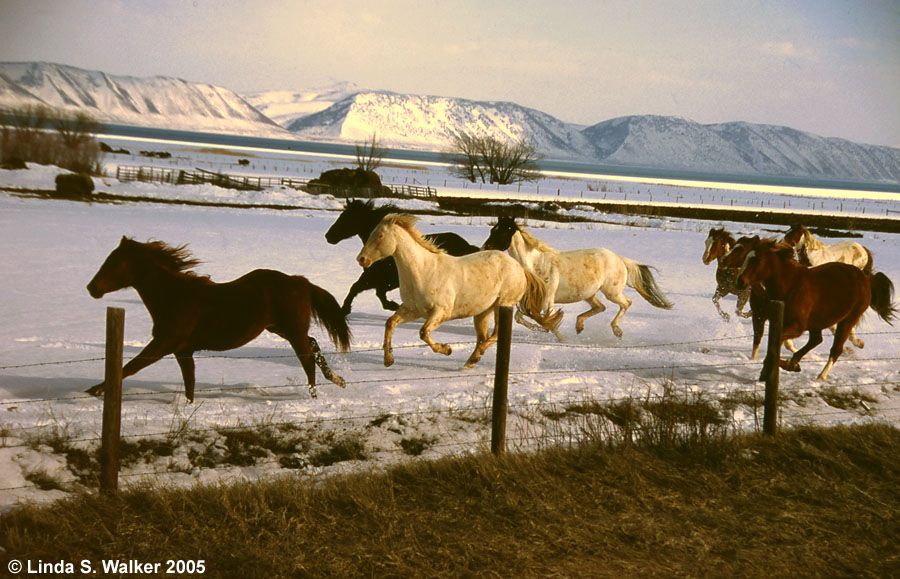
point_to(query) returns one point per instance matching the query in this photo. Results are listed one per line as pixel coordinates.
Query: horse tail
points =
(641, 279)
(327, 313)
(867, 268)
(883, 297)
(531, 302)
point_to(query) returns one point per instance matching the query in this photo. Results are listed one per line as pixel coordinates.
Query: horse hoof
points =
(95, 390)
(340, 381)
(618, 332)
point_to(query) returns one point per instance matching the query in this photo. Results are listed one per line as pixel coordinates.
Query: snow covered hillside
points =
(430, 122)
(742, 148)
(285, 106)
(344, 113)
(158, 102)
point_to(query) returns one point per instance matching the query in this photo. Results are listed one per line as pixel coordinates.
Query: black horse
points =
(360, 218)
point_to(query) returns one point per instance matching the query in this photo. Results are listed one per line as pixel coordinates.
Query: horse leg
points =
(759, 324)
(401, 316)
(186, 363)
(596, 307)
(719, 294)
(854, 340)
(303, 350)
(152, 352)
(323, 364)
(437, 317)
(485, 339)
(793, 365)
(841, 333)
(624, 303)
(743, 298)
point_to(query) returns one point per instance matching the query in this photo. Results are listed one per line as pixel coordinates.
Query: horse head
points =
(381, 243)
(116, 273)
(795, 235)
(718, 243)
(501, 234)
(762, 263)
(735, 257)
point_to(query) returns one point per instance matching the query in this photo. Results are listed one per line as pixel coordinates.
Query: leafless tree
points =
(491, 160)
(370, 153)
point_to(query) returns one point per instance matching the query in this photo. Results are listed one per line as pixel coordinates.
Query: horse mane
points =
(369, 206)
(779, 248)
(534, 243)
(173, 258)
(724, 234)
(408, 222)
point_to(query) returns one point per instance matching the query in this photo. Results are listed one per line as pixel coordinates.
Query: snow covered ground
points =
(52, 334)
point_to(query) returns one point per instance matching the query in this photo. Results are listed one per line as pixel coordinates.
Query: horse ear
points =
(123, 241)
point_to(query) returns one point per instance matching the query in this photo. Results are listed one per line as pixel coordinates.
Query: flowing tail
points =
(867, 268)
(531, 303)
(883, 297)
(327, 313)
(641, 279)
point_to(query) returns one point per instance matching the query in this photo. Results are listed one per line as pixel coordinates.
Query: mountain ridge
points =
(344, 113)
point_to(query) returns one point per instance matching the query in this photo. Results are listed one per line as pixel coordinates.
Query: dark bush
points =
(74, 186)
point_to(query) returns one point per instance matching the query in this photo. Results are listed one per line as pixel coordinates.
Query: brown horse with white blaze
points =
(190, 312)
(832, 294)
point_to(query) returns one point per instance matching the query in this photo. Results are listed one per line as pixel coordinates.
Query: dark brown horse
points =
(190, 312)
(718, 243)
(832, 294)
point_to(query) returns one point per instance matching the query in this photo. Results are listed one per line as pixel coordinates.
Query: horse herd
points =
(442, 277)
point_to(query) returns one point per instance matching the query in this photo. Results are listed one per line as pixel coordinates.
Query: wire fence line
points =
(671, 368)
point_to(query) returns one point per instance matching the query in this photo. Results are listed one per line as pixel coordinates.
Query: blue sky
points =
(831, 67)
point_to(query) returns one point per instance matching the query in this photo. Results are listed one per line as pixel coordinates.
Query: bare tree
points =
(370, 153)
(490, 160)
(80, 151)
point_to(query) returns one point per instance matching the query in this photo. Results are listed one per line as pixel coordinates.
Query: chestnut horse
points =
(718, 243)
(190, 312)
(832, 294)
(361, 218)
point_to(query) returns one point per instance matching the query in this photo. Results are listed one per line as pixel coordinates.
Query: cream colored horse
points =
(440, 287)
(812, 251)
(573, 276)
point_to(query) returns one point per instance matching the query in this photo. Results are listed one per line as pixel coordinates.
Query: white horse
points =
(573, 276)
(440, 287)
(812, 251)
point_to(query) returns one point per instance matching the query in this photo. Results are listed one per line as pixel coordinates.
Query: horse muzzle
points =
(95, 292)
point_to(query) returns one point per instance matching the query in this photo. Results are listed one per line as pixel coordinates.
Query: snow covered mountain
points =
(432, 122)
(157, 102)
(344, 113)
(738, 147)
(284, 106)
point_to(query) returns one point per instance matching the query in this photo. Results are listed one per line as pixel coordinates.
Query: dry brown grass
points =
(811, 502)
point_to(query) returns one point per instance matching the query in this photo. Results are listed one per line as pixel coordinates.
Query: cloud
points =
(788, 49)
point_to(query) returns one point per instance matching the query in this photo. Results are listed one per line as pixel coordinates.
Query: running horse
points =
(190, 312)
(718, 243)
(759, 302)
(361, 218)
(832, 294)
(440, 287)
(812, 251)
(578, 275)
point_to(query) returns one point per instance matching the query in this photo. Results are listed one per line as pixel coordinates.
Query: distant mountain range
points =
(346, 113)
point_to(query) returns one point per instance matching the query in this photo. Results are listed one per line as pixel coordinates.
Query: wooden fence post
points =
(773, 357)
(112, 401)
(501, 378)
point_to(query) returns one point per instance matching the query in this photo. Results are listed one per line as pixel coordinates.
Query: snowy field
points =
(52, 336)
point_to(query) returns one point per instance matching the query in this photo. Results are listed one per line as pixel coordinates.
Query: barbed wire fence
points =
(529, 434)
